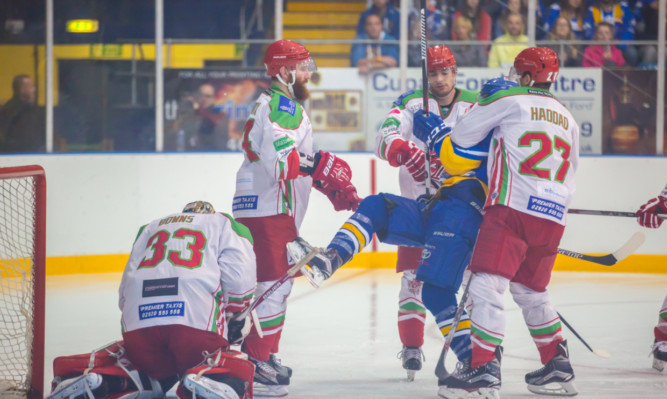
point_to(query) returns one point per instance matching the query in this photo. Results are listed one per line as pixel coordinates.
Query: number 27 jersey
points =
(534, 150)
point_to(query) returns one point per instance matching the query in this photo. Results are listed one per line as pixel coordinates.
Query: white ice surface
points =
(342, 340)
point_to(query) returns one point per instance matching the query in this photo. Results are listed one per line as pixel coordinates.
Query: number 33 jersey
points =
(534, 150)
(188, 269)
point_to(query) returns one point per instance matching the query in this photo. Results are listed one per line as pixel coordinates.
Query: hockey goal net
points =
(22, 258)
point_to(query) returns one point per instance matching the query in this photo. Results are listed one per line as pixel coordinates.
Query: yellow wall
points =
(20, 59)
(57, 265)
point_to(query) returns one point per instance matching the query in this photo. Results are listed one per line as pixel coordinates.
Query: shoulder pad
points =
(285, 111)
(467, 95)
(407, 96)
(512, 91)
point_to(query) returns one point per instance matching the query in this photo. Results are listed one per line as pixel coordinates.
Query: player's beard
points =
(301, 92)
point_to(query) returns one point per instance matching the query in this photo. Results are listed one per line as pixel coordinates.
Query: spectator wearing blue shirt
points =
(619, 15)
(369, 57)
(389, 16)
(574, 11)
(436, 29)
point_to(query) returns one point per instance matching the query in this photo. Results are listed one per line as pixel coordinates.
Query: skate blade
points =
(411, 374)
(269, 391)
(658, 364)
(481, 393)
(555, 389)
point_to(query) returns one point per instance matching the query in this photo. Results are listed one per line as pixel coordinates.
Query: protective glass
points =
(514, 75)
(307, 65)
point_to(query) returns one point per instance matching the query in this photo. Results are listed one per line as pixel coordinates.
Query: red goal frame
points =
(39, 270)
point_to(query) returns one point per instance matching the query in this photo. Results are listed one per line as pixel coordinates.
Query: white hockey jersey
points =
(399, 123)
(534, 150)
(188, 269)
(268, 182)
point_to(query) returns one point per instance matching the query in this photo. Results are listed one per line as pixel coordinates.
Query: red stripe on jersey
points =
(292, 165)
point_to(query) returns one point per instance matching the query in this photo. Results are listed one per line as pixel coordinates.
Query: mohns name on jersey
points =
(176, 219)
(549, 115)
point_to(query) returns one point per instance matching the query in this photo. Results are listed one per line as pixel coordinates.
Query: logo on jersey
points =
(244, 202)
(286, 105)
(161, 309)
(546, 207)
(159, 287)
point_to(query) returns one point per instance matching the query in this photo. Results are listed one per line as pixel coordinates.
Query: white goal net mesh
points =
(17, 256)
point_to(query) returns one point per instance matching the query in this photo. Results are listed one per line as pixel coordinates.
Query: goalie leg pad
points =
(207, 388)
(231, 368)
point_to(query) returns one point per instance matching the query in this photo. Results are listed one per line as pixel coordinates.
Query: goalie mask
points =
(288, 54)
(541, 62)
(199, 207)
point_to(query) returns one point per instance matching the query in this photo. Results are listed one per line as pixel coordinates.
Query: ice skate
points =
(411, 356)
(659, 355)
(268, 381)
(79, 387)
(323, 263)
(206, 388)
(556, 377)
(481, 382)
(275, 362)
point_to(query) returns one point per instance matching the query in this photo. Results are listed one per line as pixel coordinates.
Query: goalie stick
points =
(611, 259)
(609, 213)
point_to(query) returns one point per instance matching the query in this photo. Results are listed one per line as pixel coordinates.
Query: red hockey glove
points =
(342, 200)
(437, 171)
(402, 152)
(647, 215)
(331, 172)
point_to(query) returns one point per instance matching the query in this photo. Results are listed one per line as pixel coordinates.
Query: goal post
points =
(22, 280)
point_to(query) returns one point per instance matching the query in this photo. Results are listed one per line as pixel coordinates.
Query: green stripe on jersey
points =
(486, 337)
(282, 143)
(283, 118)
(239, 228)
(513, 91)
(467, 95)
(545, 330)
(139, 233)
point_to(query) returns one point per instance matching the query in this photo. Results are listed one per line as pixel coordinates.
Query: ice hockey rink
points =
(342, 340)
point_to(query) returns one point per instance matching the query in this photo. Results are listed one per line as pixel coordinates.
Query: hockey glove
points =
(342, 200)
(238, 327)
(431, 130)
(437, 171)
(647, 215)
(331, 172)
(403, 152)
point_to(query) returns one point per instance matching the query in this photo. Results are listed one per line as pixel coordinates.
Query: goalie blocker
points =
(106, 372)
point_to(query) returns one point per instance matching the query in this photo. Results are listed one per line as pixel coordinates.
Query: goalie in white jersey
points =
(533, 157)
(183, 297)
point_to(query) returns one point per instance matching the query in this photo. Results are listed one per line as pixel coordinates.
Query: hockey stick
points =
(598, 352)
(440, 367)
(609, 213)
(613, 258)
(427, 153)
(290, 273)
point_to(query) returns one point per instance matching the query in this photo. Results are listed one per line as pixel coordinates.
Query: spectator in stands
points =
(22, 122)
(467, 55)
(569, 55)
(481, 21)
(369, 57)
(509, 7)
(574, 11)
(389, 16)
(506, 47)
(203, 126)
(648, 12)
(623, 20)
(603, 55)
(436, 29)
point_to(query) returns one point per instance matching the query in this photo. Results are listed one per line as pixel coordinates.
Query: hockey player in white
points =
(396, 143)
(189, 278)
(532, 161)
(272, 190)
(648, 216)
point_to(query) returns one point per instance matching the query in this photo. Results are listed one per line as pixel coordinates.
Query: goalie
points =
(189, 278)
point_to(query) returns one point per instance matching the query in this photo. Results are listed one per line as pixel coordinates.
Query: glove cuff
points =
(398, 152)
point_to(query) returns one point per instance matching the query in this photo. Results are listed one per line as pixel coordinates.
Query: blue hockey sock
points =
(442, 304)
(358, 230)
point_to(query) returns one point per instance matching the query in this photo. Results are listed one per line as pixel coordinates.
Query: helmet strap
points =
(289, 85)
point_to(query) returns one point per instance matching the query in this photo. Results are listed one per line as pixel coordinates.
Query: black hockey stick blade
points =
(613, 258)
(597, 352)
(609, 213)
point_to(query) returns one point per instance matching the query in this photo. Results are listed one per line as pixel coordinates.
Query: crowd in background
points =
(501, 26)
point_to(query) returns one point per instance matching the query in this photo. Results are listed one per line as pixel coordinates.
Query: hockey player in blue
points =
(445, 225)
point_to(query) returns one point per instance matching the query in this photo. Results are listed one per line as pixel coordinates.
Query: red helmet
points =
(439, 57)
(285, 53)
(541, 62)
